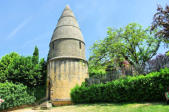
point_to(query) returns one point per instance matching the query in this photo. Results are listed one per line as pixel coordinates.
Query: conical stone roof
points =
(67, 26)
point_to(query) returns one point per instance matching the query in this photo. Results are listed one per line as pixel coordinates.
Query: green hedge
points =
(14, 95)
(130, 89)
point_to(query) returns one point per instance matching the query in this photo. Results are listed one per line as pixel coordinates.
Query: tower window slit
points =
(80, 45)
(53, 46)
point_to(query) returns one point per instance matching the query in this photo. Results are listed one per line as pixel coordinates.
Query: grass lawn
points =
(107, 107)
(135, 107)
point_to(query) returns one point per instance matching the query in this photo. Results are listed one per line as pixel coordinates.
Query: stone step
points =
(44, 106)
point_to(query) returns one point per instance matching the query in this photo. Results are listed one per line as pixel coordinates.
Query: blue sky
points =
(26, 23)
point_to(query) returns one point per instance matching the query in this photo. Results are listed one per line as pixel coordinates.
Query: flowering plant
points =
(1, 101)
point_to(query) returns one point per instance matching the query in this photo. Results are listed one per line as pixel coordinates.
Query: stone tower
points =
(67, 65)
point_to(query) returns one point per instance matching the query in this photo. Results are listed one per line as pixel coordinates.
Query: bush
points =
(131, 89)
(14, 95)
(5, 62)
(23, 70)
(98, 72)
(20, 69)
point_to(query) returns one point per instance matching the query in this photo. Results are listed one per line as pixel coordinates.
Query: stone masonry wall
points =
(64, 75)
(67, 47)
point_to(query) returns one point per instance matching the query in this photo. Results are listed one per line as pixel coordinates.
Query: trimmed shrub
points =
(130, 89)
(14, 95)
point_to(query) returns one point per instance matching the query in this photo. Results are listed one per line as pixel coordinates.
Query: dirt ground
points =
(70, 108)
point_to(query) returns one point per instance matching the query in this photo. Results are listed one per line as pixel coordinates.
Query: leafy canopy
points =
(131, 43)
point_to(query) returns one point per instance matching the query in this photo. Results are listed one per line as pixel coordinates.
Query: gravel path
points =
(70, 108)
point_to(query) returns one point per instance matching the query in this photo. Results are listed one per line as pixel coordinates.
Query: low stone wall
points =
(60, 103)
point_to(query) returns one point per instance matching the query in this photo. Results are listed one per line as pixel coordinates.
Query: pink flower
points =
(1, 101)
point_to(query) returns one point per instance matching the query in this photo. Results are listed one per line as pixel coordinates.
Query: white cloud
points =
(19, 27)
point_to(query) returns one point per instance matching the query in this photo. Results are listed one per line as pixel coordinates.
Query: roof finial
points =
(67, 7)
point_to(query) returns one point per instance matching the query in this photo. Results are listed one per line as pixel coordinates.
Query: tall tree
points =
(131, 43)
(35, 58)
(43, 65)
(161, 21)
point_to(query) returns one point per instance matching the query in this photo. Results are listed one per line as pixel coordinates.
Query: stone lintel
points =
(67, 57)
(65, 38)
(66, 25)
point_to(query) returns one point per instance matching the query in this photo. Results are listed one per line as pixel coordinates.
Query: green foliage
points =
(93, 72)
(167, 54)
(26, 70)
(38, 92)
(131, 89)
(29, 71)
(131, 43)
(23, 70)
(14, 95)
(43, 70)
(35, 58)
(5, 62)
